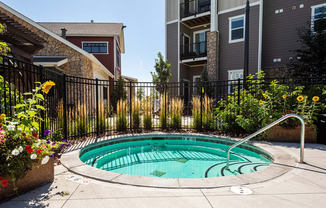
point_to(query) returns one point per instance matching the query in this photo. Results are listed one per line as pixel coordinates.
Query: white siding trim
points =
(260, 41)
(171, 22)
(237, 8)
(115, 60)
(178, 45)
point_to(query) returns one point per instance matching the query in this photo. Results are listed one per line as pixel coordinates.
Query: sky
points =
(144, 35)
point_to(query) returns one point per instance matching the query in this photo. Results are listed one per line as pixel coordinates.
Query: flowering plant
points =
(21, 146)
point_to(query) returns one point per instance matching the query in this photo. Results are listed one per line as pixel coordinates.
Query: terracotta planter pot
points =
(280, 134)
(34, 179)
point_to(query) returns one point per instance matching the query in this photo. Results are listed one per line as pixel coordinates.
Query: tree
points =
(311, 57)
(119, 93)
(4, 49)
(163, 73)
(140, 93)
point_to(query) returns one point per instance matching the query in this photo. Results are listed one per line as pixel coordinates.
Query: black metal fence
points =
(83, 107)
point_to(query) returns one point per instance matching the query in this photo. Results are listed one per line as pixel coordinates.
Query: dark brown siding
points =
(231, 54)
(280, 30)
(172, 50)
(106, 59)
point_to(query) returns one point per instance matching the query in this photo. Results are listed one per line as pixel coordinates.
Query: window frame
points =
(118, 54)
(231, 80)
(230, 28)
(313, 15)
(106, 42)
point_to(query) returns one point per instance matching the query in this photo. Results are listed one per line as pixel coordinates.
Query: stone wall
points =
(212, 54)
(77, 65)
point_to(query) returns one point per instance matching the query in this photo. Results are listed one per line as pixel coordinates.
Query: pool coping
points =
(283, 163)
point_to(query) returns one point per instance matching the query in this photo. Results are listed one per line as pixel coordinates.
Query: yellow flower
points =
(284, 96)
(300, 98)
(265, 96)
(315, 99)
(2, 116)
(260, 102)
(47, 86)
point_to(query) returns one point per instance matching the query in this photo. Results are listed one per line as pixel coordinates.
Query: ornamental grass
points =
(136, 105)
(176, 111)
(196, 108)
(163, 111)
(148, 113)
(121, 119)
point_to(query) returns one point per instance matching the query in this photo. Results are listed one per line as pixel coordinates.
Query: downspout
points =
(260, 39)
(179, 45)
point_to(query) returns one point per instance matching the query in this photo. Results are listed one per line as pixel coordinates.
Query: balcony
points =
(193, 52)
(195, 12)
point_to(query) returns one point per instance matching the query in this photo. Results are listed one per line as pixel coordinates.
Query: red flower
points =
(1, 178)
(35, 135)
(4, 183)
(39, 151)
(29, 149)
(2, 140)
(23, 134)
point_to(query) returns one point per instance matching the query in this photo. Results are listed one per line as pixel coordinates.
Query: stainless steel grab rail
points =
(268, 127)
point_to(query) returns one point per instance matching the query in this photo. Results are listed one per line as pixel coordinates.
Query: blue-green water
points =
(173, 159)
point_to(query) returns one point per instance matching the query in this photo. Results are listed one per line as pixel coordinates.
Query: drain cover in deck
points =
(241, 190)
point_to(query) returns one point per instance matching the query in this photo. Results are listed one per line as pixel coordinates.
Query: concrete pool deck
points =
(303, 186)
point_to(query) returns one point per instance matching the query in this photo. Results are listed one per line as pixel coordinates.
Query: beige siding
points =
(171, 10)
(229, 4)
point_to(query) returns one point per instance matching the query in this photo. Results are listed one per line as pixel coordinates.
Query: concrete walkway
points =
(304, 186)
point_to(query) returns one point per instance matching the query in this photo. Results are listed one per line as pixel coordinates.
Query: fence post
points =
(130, 104)
(239, 85)
(65, 123)
(41, 72)
(97, 110)
(165, 122)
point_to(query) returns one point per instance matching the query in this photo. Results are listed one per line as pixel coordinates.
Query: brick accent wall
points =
(212, 54)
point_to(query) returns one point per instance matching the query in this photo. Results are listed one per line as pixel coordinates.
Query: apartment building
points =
(211, 33)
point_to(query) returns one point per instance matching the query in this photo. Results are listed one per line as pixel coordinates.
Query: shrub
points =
(147, 116)
(136, 114)
(163, 111)
(121, 119)
(176, 111)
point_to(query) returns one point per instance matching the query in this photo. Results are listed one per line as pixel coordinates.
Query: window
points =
(118, 58)
(200, 42)
(96, 47)
(196, 82)
(186, 44)
(105, 93)
(236, 32)
(234, 76)
(319, 17)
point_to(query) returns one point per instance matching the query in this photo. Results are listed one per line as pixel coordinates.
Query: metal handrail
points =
(268, 127)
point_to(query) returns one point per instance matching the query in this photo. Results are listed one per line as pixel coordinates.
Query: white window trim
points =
(107, 48)
(313, 14)
(199, 31)
(229, 73)
(230, 28)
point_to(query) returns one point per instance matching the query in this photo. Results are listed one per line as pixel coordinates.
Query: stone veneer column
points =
(212, 55)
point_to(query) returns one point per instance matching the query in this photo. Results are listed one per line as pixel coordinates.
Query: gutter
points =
(260, 38)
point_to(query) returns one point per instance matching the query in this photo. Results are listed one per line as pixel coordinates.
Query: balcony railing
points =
(194, 7)
(193, 50)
